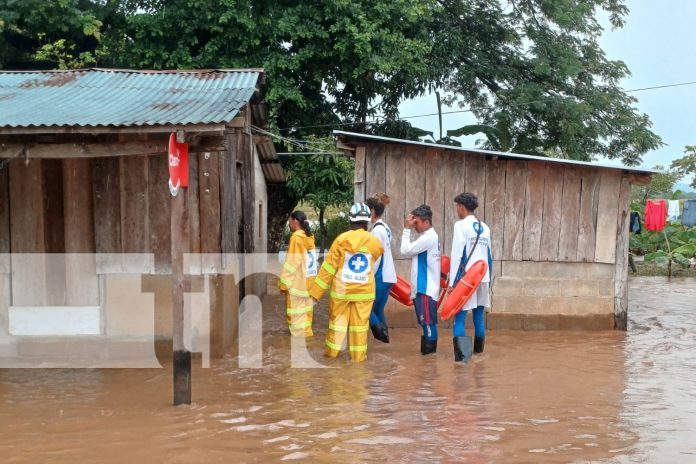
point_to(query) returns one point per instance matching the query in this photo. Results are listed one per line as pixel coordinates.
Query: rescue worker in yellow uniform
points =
(299, 270)
(348, 271)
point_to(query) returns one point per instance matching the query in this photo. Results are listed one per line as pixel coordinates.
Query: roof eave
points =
(344, 137)
(160, 128)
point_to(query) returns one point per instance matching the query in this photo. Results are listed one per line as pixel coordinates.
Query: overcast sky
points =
(658, 44)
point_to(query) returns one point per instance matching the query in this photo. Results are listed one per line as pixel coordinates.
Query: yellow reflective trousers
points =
(353, 318)
(298, 304)
(299, 311)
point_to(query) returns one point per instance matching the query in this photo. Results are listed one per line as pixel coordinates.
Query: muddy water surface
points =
(531, 397)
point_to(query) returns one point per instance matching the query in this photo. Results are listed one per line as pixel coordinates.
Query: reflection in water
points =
(531, 397)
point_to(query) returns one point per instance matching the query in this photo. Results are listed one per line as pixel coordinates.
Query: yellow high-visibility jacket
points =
(348, 267)
(293, 278)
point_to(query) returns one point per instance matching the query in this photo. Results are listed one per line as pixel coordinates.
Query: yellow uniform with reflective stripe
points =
(299, 306)
(351, 303)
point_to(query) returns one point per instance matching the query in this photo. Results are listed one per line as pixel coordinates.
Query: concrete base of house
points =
(530, 295)
(404, 317)
(78, 352)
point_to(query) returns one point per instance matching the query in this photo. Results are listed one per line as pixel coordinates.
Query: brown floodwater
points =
(531, 397)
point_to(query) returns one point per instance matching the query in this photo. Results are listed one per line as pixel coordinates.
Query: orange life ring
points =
(464, 289)
(444, 271)
(401, 291)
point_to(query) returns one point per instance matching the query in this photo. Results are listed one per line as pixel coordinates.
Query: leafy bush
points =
(334, 227)
(675, 243)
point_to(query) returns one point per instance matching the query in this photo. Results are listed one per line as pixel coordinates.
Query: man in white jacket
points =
(471, 241)
(425, 272)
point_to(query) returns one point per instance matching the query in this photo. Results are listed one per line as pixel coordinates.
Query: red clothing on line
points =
(655, 215)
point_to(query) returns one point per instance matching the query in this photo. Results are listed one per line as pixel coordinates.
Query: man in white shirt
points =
(385, 273)
(425, 272)
(471, 241)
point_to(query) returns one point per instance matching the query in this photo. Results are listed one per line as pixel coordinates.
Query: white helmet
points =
(359, 212)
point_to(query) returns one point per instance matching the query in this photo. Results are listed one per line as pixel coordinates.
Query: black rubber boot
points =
(462, 349)
(375, 331)
(385, 332)
(478, 344)
(380, 332)
(428, 346)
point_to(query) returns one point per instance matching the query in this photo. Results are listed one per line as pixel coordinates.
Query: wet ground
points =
(531, 397)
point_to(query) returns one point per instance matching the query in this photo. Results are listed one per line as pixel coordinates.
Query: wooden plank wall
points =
(589, 202)
(533, 210)
(537, 211)
(54, 234)
(396, 189)
(27, 234)
(230, 217)
(106, 194)
(375, 166)
(135, 220)
(194, 265)
(414, 184)
(435, 191)
(621, 270)
(134, 203)
(609, 189)
(82, 283)
(359, 178)
(209, 210)
(494, 201)
(159, 212)
(515, 188)
(4, 220)
(454, 184)
(552, 215)
(108, 205)
(568, 239)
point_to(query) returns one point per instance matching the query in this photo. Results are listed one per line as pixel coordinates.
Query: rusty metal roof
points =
(270, 164)
(93, 98)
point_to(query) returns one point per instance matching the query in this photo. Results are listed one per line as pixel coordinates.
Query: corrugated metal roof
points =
(123, 98)
(502, 155)
(270, 164)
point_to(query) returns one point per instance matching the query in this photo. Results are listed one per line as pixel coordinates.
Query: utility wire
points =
(317, 150)
(340, 124)
(661, 86)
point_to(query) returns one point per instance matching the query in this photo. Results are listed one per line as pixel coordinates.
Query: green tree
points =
(501, 137)
(535, 61)
(661, 185)
(539, 63)
(50, 34)
(686, 165)
(325, 61)
(321, 181)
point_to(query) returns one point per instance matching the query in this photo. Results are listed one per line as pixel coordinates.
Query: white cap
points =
(359, 212)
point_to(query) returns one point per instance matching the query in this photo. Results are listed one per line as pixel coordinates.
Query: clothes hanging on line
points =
(655, 215)
(689, 213)
(634, 224)
(673, 210)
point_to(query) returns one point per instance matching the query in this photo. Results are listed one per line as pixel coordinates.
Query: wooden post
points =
(180, 245)
(621, 270)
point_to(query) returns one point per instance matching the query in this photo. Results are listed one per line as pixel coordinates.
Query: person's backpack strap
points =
(385, 228)
(463, 262)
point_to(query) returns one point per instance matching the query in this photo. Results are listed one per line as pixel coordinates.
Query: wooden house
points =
(559, 227)
(85, 231)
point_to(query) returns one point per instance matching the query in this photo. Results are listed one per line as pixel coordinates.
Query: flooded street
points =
(531, 397)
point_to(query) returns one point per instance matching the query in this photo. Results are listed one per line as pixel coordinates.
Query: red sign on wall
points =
(178, 165)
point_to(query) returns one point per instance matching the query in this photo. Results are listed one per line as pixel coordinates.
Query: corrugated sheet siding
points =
(97, 97)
